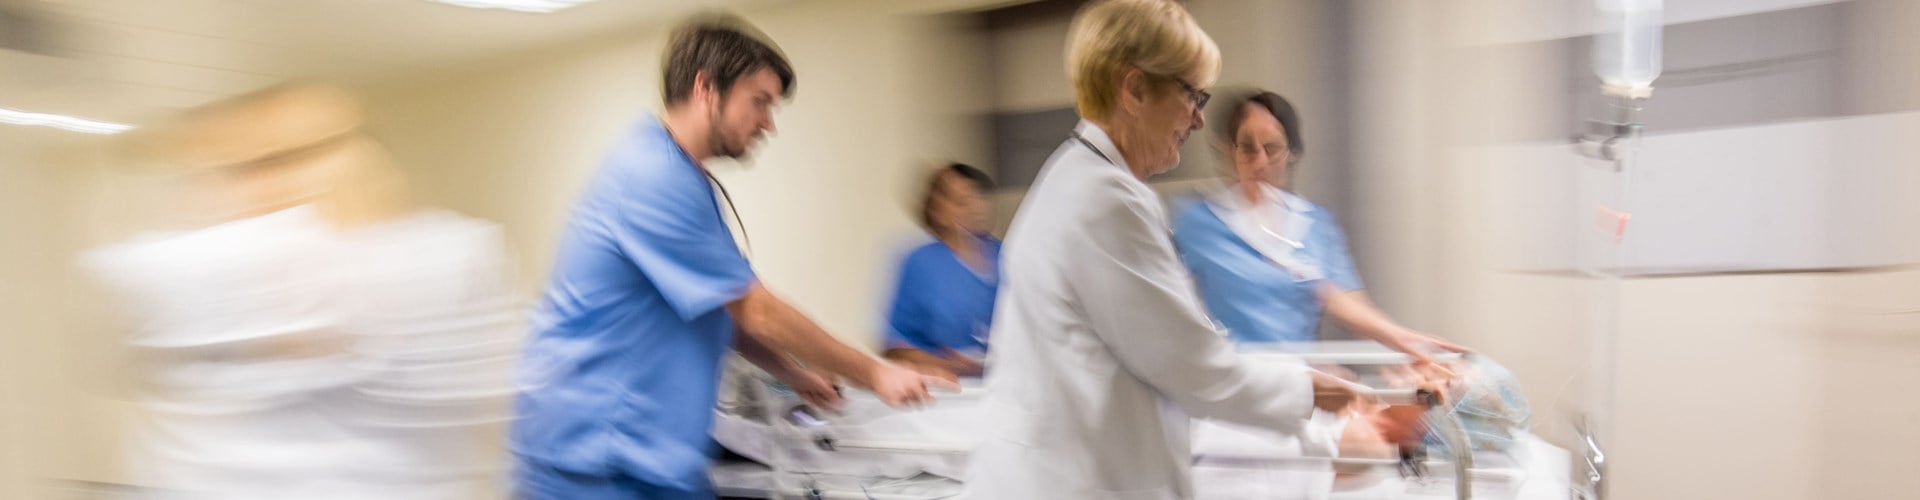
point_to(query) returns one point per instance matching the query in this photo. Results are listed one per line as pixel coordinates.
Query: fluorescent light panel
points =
(62, 122)
(534, 6)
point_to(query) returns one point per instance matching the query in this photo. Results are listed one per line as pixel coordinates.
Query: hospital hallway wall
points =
(60, 374)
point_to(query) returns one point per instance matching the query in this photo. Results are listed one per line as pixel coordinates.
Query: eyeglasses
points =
(1277, 152)
(1194, 94)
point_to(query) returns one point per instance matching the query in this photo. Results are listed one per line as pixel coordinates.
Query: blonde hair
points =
(271, 120)
(256, 132)
(1157, 36)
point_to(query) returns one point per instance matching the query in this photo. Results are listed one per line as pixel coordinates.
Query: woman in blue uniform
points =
(1270, 264)
(944, 300)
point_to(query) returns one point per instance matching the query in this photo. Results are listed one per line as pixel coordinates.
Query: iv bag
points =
(1626, 47)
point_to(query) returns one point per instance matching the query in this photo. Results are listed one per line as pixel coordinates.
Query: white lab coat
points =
(1101, 347)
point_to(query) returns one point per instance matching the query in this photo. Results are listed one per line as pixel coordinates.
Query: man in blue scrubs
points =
(649, 290)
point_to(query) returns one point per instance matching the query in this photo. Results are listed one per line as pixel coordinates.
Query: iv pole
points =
(1626, 58)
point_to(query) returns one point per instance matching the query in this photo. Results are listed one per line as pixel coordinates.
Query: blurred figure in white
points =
(325, 338)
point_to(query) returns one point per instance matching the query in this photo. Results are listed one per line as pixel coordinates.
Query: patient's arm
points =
(1363, 438)
(1382, 431)
(951, 366)
(1377, 431)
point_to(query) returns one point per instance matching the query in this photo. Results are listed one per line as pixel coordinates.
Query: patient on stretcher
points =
(1486, 399)
(1484, 395)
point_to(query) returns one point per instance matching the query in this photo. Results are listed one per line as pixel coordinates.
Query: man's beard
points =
(717, 138)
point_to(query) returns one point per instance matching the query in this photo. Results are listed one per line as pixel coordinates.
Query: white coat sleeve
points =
(1140, 301)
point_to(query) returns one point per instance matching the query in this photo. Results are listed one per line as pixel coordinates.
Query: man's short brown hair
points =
(724, 46)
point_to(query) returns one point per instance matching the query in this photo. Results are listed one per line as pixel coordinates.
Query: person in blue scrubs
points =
(943, 303)
(649, 292)
(1270, 264)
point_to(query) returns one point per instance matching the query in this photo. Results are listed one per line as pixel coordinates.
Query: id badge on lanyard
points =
(1286, 251)
(1292, 257)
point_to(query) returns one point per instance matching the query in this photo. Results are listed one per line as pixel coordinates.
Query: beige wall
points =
(1029, 66)
(882, 93)
(61, 419)
(18, 347)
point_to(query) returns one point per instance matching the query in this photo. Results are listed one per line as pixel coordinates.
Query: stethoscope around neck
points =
(744, 238)
(724, 195)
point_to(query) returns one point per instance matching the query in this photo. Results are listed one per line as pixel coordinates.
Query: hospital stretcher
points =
(795, 430)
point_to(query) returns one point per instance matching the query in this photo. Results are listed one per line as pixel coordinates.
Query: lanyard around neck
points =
(1096, 150)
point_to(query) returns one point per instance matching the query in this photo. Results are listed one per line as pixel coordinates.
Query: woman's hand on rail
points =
(1418, 345)
(901, 387)
(1433, 376)
(962, 364)
(950, 365)
(935, 370)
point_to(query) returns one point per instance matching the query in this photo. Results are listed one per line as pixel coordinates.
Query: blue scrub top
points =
(940, 303)
(620, 374)
(1255, 299)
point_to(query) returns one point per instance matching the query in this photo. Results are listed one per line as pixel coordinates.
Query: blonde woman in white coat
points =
(1102, 349)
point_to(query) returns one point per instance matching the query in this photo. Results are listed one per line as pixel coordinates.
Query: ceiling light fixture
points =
(534, 6)
(62, 122)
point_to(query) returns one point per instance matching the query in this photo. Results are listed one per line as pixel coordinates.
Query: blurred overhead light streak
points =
(62, 122)
(534, 6)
